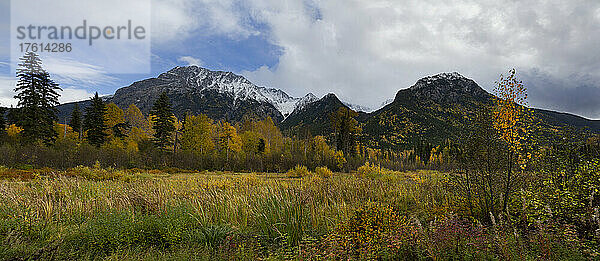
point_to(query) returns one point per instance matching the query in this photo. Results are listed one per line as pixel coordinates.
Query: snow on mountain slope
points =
(357, 107)
(307, 99)
(240, 88)
(386, 102)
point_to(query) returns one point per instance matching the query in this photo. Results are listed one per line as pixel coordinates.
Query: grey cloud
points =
(575, 94)
(365, 51)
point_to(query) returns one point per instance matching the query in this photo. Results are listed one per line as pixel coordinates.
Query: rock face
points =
(448, 88)
(219, 95)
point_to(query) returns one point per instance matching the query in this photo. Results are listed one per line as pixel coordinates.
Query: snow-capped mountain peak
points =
(201, 79)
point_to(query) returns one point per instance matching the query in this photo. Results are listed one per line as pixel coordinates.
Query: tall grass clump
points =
(370, 170)
(298, 172)
(323, 172)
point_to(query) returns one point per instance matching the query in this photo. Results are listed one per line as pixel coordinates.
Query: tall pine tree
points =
(2, 124)
(38, 96)
(94, 122)
(163, 122)
(75, 121)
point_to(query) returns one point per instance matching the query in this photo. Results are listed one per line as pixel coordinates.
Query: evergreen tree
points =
(37, 95)
(94, 122)
(261, 146)
(75, 121)
(163, 122)
(346, 129)
(2, 124)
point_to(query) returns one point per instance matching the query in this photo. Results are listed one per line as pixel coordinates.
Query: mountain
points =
(219, 95)
(439, 107)
(435, 108)
(386, 102)
(560, 118)
(314, 116)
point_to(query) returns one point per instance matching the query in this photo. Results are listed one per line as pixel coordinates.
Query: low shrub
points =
(370, 170)
(452, 238)
(373, 232)
(113, 232)
(323, 172)
(298, 172)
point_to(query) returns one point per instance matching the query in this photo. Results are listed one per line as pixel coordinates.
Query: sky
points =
(363, 51)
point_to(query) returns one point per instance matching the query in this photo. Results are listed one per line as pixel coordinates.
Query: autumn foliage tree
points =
(197, 134)
(512, 121)
(229, 140)
(115, 121)
(136, 119)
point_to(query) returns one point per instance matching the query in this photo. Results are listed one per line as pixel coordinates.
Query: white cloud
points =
(365, 51)
(73, 73)
(71, 95)
(189, 60)
(7, 86)
(174, 20)
(123, 53)
(171, 20)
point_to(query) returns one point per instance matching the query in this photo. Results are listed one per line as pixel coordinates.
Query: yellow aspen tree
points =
(112, 117)
(270, 133)
(134, 117)
(229, 139)
(197, 134)
(13, 130)
(511, 120)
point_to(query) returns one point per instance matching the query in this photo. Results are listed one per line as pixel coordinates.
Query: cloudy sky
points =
(365, 51)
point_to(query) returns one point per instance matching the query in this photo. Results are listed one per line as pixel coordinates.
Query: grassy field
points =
(92, 213)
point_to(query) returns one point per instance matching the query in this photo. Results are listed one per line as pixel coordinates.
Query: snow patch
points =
(357, 107)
